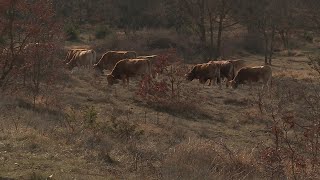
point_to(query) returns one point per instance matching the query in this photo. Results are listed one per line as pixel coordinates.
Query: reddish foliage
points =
(296, 148)
(24, 23)
(29, 39)
(164, 60)
(168, 66)
(166, 89)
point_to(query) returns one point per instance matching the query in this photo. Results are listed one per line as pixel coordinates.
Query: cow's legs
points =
(262, 88)
(123, 81)
(267, 83)
(127, 78)
(270, 86)
(203, 81)
(217, 81)
(228, 80)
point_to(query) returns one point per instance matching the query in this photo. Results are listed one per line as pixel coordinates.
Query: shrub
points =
(124, 129)
(102, 32)
(166, 92)
(169, 66)
(315, 63)
(86, 117)
(70, 119)
(295, 132)
(90, 115)
(308, 36)
(72, 33)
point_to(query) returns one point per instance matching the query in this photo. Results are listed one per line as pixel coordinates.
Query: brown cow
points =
(71, 53)
(226, 70)
(82, 59)
(150, 57)
(237, 65)
(129, 68)
(204, 72)
(110, 59)
(229, 68)
(253, 74)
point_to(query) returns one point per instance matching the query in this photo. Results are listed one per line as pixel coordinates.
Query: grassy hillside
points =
(89, 130)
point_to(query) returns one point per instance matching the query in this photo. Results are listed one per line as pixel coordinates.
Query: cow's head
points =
(111, 80)
(233, 84)
(189, 76)
(66, 60)
(68, 57)
(97, 69)
(69, 66)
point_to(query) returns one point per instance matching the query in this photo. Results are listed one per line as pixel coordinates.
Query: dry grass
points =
(202, 159)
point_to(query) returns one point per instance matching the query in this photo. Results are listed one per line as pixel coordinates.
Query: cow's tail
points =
(191, 74)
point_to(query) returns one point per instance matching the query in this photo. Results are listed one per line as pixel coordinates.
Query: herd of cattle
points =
(125, 64)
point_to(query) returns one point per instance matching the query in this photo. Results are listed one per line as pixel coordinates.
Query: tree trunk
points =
(211, 35)
(9, 62)
(202, 29)
(222, 15)
(220, 29)
(266, 41)
(284, 38)
(271, 44)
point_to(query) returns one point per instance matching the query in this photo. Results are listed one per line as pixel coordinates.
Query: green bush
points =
(90, 115)
(72, 33)
(102, 32)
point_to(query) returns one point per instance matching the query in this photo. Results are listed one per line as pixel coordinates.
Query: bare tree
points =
(262, 17)
(196, 10)
(223, 10)
(29, 42)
